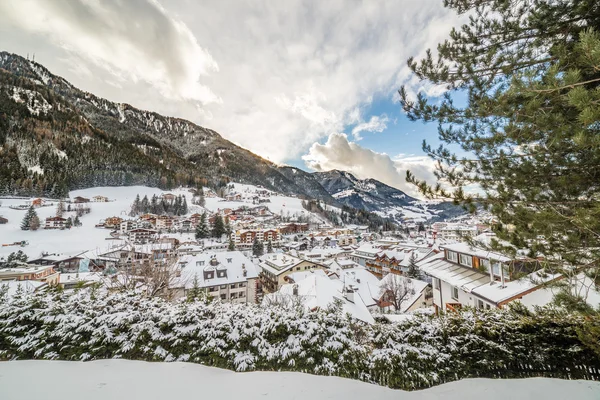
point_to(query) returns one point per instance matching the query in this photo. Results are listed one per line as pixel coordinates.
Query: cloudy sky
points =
(305, 83)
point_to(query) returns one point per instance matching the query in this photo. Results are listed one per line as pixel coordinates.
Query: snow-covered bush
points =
(421, 352)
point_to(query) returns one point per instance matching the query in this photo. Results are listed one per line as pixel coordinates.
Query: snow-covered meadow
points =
(73, 240)
(124, 379)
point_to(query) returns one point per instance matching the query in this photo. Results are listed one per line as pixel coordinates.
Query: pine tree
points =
(227, 226)
(15, 258)
(68, 223)
(530, 127)
(145, 205)
(77, 221)
(26, 223)
(195, 292)
(218, 229)
(154, 205)
(413, 271)
(176, 206)
(184, 206)
(34, 223)
(60, 209)
(202, 228)
(269, 246)
(231, 246)
(135, 207)
(257, 248)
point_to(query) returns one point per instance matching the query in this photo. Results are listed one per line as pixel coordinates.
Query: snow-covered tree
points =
(257, 248)
(218, 229)
(60, 208)
(34, 223)
(413, 271)
(26, 223)
(202, 231)
(395, 289)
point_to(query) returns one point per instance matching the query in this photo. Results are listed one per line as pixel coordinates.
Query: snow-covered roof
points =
(301, 275)
(233, 262)
(150, 247)
(319, 292)
(465, 248)
(342, 263)
(498, 293)
(80, 277)
(278, 263)
(366, 283)
(463, 277)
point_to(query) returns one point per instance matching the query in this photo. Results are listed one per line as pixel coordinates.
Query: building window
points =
(223, 297)
(454, 292)
(480, 304)
(453, 256)
(243, 284)
(436, 283)
(466, 260)
(485, 264)
(496, 268)
(223, 286)
(232, 286)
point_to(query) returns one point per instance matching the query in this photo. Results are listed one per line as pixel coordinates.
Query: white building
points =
(468, 276)
(228, 276)
(365, 253)
(128, 225)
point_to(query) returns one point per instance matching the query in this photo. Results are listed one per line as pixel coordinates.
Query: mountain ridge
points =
(61, 124)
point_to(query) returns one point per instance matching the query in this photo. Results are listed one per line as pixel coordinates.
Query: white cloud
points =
(134, 40)
(340, 153)
(274, 77)
(375, 124)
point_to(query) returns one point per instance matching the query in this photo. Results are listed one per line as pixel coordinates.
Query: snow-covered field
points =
(123, 379)
(87, 237)
(83, 238)
(278, 204)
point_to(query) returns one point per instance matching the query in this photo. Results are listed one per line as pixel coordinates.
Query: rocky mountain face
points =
(179, 150)
(386, 201)
(55, 137)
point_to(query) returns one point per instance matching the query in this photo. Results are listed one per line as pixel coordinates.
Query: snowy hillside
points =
(381, 199)
(123, 379)
(87, 237)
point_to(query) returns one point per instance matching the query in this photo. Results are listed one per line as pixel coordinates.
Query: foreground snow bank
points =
(122, 379)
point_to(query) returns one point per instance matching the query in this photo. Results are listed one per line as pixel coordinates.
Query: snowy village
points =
(299, 199)
(258, 246)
